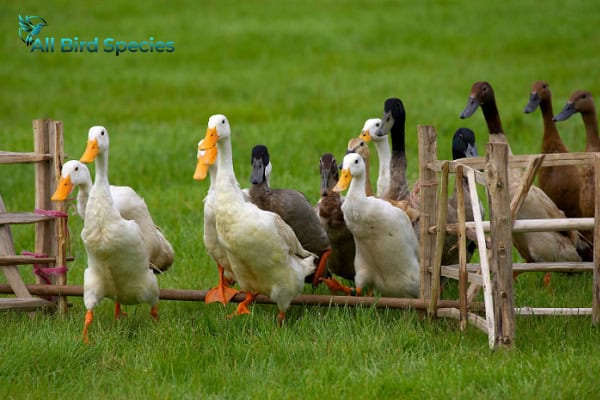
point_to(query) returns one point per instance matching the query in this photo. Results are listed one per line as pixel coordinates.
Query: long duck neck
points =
(398, 163)
(83, 195)
(494, 125)
(590, 121)
(551, 143)
(357, 187)
(385, 155)
(225, 175)
(368, 187)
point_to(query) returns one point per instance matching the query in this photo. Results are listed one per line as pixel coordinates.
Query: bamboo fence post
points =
(596, 274)
(462, 249)
(427, 153)
(500, 225)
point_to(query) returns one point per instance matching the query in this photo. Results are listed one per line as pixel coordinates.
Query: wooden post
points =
(462, 248)
(60, 239)
(442, 220)
(44, 230)
(501, 238)
(427, 153)
(596, 287)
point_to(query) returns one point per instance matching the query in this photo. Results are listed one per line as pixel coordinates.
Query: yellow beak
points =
(91, 151)
(344, 181)
(63, 189)
(205, 160)
(210, 140)
(365, 136)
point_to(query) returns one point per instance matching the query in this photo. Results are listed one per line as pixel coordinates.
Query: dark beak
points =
(470, 108)
(386, 125)
(534, 102)
(565, 113)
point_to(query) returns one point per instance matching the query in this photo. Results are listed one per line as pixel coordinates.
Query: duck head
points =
(206, 158)
(329, 173)
(581, 101)
(73, 173)
(394, 116)
(481, 94)
(463, 144)
(218, 128)
(261, 164)
(369, 130)
(352, 166)
(97, 143)
(540, 91)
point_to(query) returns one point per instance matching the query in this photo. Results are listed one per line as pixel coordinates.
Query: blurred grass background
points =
(300, 77)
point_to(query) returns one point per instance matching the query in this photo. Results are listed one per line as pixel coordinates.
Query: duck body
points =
(533, 246)
(562, 184)
(386, 246)
(331, 216)
(263, 251)
(129, 205)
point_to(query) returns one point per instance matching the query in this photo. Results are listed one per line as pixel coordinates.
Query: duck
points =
(581, 101)
(293, 207)
(393, 123)
(382, 146)
(463, 146)
(359, 146)
(265, 255)
(532, 246)
(331, 216)
(116, 255)
(561, 184)
(223, 292)
(386, 258)
(129, 204)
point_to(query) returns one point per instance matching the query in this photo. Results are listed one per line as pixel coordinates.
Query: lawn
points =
(300, 77)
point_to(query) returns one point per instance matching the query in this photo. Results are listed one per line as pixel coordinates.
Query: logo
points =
(30, 27)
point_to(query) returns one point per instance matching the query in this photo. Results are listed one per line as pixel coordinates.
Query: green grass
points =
(301, 78)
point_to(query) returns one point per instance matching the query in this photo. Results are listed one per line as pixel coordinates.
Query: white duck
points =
(263, 251)
(117, 258)
(386, 245)
(223, 292)
(130, 205)
(384, 153)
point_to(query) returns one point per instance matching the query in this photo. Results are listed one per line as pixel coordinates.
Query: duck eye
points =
(223, 122)
(76, 168)
(377, 124)
(355, 161)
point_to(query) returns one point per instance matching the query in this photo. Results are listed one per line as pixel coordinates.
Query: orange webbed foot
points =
(223, 293)
(89, 317)
(243, 306)
(336, 287)
(118, 312)
(154, 312)
(321, 267)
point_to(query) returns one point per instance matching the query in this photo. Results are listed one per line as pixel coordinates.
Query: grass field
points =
(300, 77)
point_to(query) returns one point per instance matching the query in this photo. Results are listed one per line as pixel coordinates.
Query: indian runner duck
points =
(533, 246)
(581, 101)
(329, 210)
(293, 207)
(359, 146)
(393, 123)
(386, 245)
(224, 291)
(264, 253)
(561, 184)
(129, 204)
(382, 146)
(117, 257)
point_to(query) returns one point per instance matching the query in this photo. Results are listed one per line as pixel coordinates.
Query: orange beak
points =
(344, 181)
(63, 189)
(206, 158)
(210, 140)
(91, 151)
(365, 136)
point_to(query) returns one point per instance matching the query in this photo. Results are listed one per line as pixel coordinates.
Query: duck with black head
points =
(533, 246)
(293, 207)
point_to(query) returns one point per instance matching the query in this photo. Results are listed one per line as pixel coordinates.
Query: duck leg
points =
(118, 312)
(280, 318)
(154, 312)
(321, 267)
(243, 306)
(222, 293)
(89, 317)
(336, 287)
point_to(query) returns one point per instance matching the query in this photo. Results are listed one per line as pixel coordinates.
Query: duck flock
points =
(272, 241)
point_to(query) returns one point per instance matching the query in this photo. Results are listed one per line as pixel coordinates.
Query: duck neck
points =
(368, 187)
(592, 142)
(357, 187)
(551, 143)
(101, 170)
(384, 154)
(225, 174)
(492, 118)
(82, 198)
